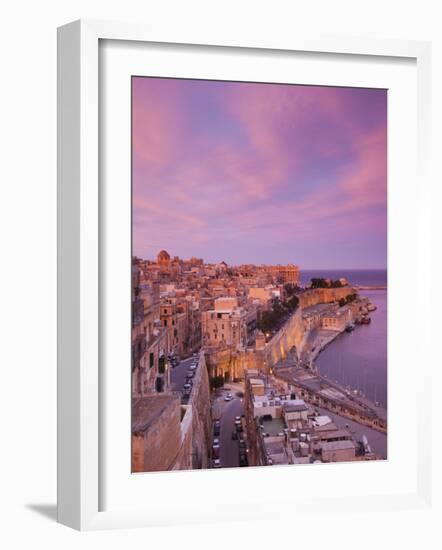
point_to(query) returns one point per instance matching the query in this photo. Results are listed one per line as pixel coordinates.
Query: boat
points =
(371, 307)
(350, 327)
(366, 320)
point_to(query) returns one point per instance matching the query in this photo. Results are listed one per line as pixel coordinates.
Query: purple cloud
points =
(260, 173)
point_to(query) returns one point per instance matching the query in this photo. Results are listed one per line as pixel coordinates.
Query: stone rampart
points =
(314, 296)
(201, 415)
(292, 335)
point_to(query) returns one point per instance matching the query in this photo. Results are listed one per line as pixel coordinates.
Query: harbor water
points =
(358, 359)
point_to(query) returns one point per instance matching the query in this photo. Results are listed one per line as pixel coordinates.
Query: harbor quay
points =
(331, 396)
(324, 322)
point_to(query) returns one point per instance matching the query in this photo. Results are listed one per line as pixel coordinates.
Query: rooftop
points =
(337, 445)
(273, 427)
(295, 405)
(146, 410)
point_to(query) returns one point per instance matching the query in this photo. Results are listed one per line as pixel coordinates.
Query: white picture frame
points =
(79, 263)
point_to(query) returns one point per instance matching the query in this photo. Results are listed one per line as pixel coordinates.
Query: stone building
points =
(264, 295)
(282, 273)
(284, 429)
(150, 341)
(225, 325)
(336, 320)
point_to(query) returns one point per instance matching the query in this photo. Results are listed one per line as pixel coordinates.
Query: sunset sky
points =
(260, 173)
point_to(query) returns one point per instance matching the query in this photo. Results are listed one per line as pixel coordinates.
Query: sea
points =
(358, 359)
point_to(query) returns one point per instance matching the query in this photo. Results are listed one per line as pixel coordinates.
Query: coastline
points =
(359, 393)
(321, 339)
(320, 347)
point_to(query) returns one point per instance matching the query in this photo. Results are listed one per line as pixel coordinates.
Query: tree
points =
(292, 303)
(217, 382)
(290, 289)
(318, 282)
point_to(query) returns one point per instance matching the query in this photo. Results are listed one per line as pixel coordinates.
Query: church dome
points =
(163, 256)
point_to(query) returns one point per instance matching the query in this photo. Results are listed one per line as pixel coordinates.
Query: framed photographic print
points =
(238, 226)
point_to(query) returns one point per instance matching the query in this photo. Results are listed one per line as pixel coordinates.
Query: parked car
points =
(217, 463)
(243, 459)
(234, 435)
(215, 448)
(187, 386)
(192, 366)
(216, 428)
(239, 428)
(190, 374)
(228, 397)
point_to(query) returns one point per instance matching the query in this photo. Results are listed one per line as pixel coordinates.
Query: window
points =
(151, 360)
(165, 322)
(161, 364)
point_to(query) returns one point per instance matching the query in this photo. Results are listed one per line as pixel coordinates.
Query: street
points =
(178, 373)
(226, 412)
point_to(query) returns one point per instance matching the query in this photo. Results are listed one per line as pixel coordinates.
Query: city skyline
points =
(153, 258)
(260, 173)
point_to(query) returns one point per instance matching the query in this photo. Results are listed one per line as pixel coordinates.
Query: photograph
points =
(259, 274)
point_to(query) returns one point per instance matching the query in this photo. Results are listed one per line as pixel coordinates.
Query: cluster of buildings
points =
(327, 317)
(282, 428)
(180, 306)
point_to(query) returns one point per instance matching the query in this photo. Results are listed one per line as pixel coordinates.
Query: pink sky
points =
(260, 173)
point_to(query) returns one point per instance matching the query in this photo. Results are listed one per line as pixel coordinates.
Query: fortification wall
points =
(292, 335)
(314, 296)
(183, 460)
(201, 416)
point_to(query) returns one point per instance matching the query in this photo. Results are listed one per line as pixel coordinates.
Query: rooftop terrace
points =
(273, 427)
